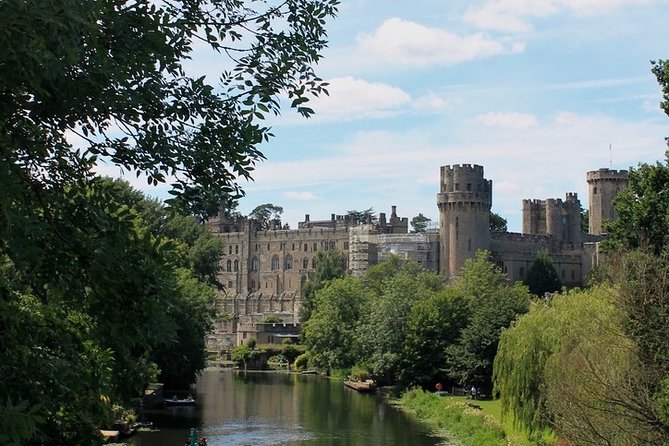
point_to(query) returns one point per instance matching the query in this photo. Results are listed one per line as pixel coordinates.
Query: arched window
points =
(275, 262)
(288, 262)
(236, 265)
(254, 264)
(313, 263)
(305, 263)
(228, 266)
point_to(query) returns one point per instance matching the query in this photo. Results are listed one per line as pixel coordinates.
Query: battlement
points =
(606, 174)
(466, 167)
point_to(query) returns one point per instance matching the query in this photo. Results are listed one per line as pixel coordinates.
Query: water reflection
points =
(263, 409)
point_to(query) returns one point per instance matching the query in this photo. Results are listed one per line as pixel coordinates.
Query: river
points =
(263, 409)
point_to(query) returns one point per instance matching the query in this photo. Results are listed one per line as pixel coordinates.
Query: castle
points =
(264, 271)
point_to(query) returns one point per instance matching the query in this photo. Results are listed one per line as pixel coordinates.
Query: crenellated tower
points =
(603, 186)
(464, 203)
(555, 217)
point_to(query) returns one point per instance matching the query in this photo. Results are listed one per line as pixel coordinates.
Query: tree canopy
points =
(362, 217)
(497, 223)
(114, 290)
(542, 277)
(115, 78)
(267, 215)
(419, 223)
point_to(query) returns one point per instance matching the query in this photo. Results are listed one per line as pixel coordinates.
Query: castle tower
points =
(464, 215)
(603, 186)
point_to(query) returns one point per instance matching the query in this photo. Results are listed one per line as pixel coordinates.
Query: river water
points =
(263, 409)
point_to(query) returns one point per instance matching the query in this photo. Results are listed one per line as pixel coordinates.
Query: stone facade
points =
(264, 271)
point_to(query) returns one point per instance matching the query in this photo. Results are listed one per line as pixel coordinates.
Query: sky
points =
(538, 92)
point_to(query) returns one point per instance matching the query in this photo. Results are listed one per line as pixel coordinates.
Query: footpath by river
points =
(262, 409)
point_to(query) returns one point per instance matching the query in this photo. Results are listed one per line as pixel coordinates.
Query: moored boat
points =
(361, 386)
(174, 401)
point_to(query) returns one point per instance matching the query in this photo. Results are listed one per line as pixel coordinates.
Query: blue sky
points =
(534, 90)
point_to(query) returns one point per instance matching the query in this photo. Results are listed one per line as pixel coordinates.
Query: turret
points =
(603, 186)
(464, 203)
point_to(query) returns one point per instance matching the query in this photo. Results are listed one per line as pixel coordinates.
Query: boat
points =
(309, 372)
(361, 386)
(174, 401)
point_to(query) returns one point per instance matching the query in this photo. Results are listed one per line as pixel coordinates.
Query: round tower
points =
(464, 205)
(603, 186)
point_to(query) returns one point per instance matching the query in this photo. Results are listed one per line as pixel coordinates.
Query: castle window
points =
(228, 267)
(306, 247)
(236, 249)
(345, 245)
(257, 247)
(254, 264)
(469, 186)
(275, 262)
(594, 190)
(469, 245)
(229, 284)
(236, 265)
(288, 262)
(521, 272)
(457, 186)
(293, 246)
(305, 263)
(315, 246)
(313, 263)
(333, 244)
(573, 274)
(252, 285)
(230, 249)
(268, 246)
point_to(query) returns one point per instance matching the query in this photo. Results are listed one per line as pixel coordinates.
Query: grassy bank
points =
(453, 418)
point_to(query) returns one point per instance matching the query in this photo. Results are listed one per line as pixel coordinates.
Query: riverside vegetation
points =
(100, 292)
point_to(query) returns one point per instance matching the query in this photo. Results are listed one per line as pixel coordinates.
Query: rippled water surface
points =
(263, 409)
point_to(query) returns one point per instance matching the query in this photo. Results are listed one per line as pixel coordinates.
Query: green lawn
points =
(453, 416)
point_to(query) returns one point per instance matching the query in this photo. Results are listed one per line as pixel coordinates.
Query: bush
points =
(302, 362)
(360, 373)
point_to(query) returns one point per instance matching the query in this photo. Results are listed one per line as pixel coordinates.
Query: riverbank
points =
(466, 422)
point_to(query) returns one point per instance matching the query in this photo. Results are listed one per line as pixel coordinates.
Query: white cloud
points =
(430, 101)
(356, 98)
(509, 15)
(507, 120)
(401, 42)
(516, 15)
(300, 196)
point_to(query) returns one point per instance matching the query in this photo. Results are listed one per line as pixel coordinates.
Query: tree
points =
(432, 325)
(382, 333)
(114, 74)
(92, 81)
(419, 223)
(542, 277)
(642, 210)
(267, 215)
(330, 265)
(497, 223)
(660, 69)
(362, 217)
(569, 364)
(329, 332)
(491, 306)
(585, 220)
